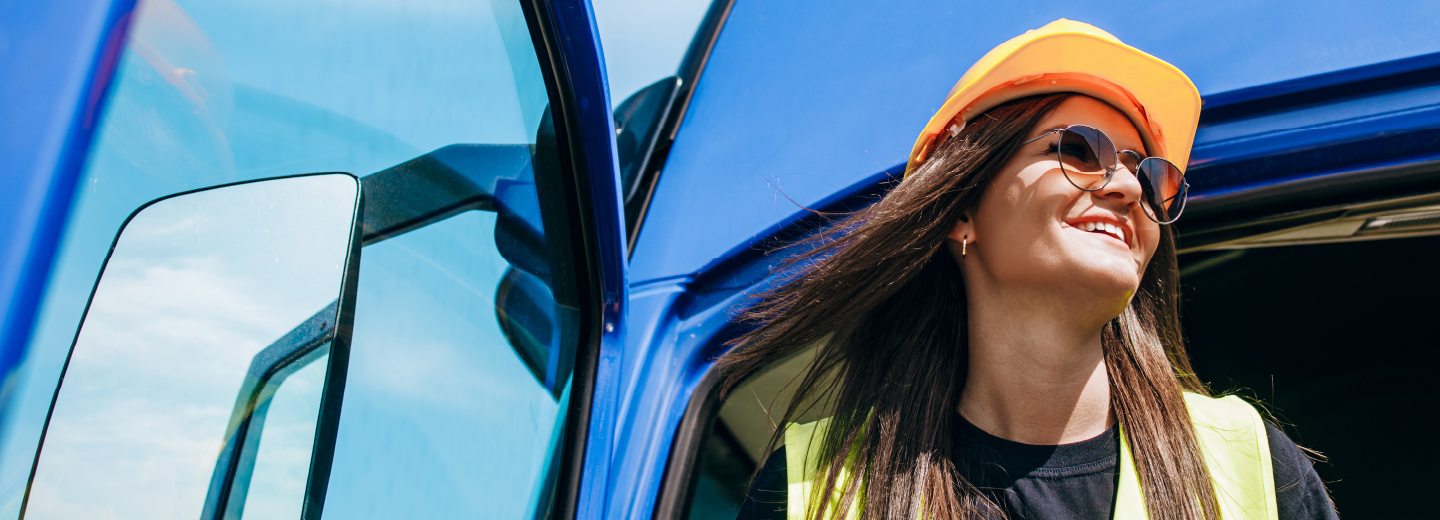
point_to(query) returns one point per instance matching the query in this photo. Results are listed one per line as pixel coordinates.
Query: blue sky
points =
(644, 40)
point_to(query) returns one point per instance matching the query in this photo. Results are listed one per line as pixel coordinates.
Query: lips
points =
(1103, 227)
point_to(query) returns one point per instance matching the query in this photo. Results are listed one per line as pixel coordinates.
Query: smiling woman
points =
(999, 335)
(1024, 228)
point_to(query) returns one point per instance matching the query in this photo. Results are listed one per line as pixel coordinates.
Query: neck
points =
(1033, 378)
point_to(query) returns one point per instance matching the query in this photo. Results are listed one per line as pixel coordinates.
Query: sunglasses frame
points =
(1180, 195)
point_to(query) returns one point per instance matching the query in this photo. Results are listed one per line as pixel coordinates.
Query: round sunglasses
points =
(1089, 160)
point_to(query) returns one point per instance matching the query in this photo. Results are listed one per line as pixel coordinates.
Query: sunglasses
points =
(1089, 160)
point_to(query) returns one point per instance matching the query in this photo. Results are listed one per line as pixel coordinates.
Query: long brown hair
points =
(884, 303)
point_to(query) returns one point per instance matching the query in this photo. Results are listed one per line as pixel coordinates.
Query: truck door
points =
(420, 335)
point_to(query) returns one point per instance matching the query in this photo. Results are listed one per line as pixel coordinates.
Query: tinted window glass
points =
(442, 419)
(442, 414)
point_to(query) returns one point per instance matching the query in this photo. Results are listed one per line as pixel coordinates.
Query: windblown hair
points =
(884, 301)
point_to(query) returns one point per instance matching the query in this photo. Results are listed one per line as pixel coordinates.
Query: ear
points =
(963, 231)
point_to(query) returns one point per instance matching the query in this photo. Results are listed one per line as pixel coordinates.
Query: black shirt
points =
(1074, 480)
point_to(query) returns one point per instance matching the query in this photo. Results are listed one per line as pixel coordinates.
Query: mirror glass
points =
(214, 309)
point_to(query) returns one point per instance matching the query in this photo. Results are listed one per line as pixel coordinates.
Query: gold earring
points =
(963, 241)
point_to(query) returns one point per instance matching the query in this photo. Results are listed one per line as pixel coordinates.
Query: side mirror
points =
(224, 315)
(198, 302)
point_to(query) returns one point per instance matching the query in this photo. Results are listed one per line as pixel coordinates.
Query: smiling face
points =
(1035, 231)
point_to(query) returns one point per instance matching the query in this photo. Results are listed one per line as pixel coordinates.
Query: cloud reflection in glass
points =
(200, 294)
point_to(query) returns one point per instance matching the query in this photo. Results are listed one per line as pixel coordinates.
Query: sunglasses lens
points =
(1087, 156)
(1164, 186)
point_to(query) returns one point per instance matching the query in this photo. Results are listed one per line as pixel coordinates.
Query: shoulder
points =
(1225, 413)
(1299, 492)
(1233, 433)
(1291, 464)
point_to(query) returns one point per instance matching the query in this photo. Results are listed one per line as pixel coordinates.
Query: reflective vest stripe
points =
(1232, 441)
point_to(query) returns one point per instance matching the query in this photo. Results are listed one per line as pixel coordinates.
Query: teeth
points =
(1102, 226)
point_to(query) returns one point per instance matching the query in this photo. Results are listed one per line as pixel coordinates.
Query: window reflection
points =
(199, 289)
(442, 419)
(215, 91)
(282, 463)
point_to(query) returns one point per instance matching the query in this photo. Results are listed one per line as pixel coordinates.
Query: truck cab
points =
(404, 259)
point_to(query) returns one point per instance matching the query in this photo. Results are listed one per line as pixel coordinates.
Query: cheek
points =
(1021, 209)
(1004, 218)
(1020, 234)
(1149, 233)
(1025, 194)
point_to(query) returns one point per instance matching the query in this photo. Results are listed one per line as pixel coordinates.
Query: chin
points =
(1107, 280)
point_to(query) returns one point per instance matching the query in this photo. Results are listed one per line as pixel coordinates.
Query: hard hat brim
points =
(1069, 56)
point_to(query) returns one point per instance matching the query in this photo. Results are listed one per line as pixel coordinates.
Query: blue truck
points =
(381, 259)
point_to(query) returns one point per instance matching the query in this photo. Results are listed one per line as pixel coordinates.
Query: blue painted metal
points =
(584, 66)
(1348, 120)
(799, 99)
(56, 59)
(1367, 79)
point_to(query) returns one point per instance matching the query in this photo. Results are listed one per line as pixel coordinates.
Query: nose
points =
(1124, 188)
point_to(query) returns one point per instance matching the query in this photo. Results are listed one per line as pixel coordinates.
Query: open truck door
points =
(423, 334)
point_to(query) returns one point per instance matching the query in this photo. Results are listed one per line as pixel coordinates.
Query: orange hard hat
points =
(1070, 56)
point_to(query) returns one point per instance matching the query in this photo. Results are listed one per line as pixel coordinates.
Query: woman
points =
(999, 336)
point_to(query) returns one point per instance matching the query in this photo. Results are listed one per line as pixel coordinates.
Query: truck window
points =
(446, 413)
(441, 418)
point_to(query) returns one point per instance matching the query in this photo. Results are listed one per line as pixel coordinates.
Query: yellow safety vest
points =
(1230, 432)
